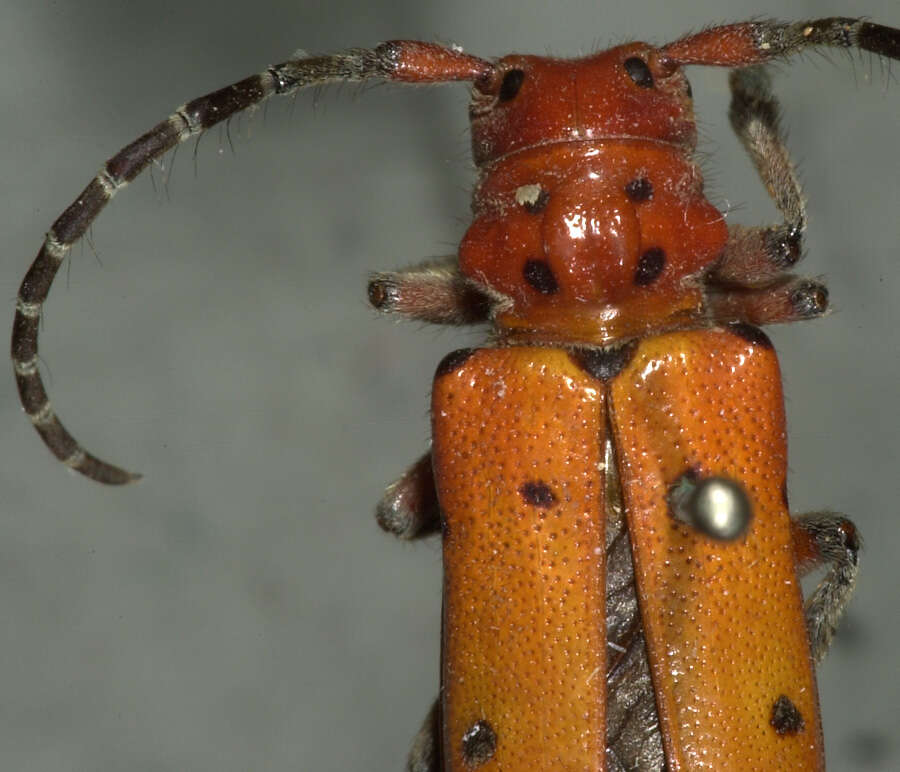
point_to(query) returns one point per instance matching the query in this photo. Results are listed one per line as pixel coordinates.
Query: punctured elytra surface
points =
(723, 621)
(518, 439)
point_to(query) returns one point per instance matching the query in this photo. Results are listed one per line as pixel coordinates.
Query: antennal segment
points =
(400, 60)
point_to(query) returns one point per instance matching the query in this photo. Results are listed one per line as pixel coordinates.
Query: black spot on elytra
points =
(638, 71)
(537, 493)
(540, 276)
(604, 363)
(453, 361)
(786, 719)
(539, 204)
(784, 496)
(639, 189)
(650, 266)
(478, 744)
(750, 334)
(511, 84)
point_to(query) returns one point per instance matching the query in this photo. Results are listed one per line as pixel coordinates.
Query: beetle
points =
(538, 496)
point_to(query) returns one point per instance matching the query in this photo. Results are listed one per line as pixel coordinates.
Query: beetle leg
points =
(792, 299)
(826, 539)
(409, 507)
(749, 284)
(434, 291)
(754, 257)
(425, 753)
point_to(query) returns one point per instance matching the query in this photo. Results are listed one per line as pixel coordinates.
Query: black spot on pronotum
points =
(453, 361)
(511, 84)
(638, 71)
(639, 189)
(537, 493)
(650, 266)
(478, 744)
(751, 334)
(604, 363)
(786, 719)
(540, 276)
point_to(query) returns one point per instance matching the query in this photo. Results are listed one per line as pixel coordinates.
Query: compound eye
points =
(639, 71)
(512, 82)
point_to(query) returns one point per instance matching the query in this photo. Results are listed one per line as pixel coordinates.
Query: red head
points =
(624, 92)
(589, 215)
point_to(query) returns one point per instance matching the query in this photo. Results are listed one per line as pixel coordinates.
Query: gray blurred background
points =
(238, 609)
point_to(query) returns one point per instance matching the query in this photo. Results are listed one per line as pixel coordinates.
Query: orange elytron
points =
(621, 567)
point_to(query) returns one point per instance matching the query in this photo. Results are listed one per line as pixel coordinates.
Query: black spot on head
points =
(537, 493)
(810, 299)
(638, 71)
(750, 334)
(639, 189)
(786, 719)
(478, 744)
(539, 204)
(540, 276)
(650, 266)
(604, 363)
(511, 84)
(453, 361)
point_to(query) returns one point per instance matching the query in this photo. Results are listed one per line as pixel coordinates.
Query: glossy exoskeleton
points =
(621, 569)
